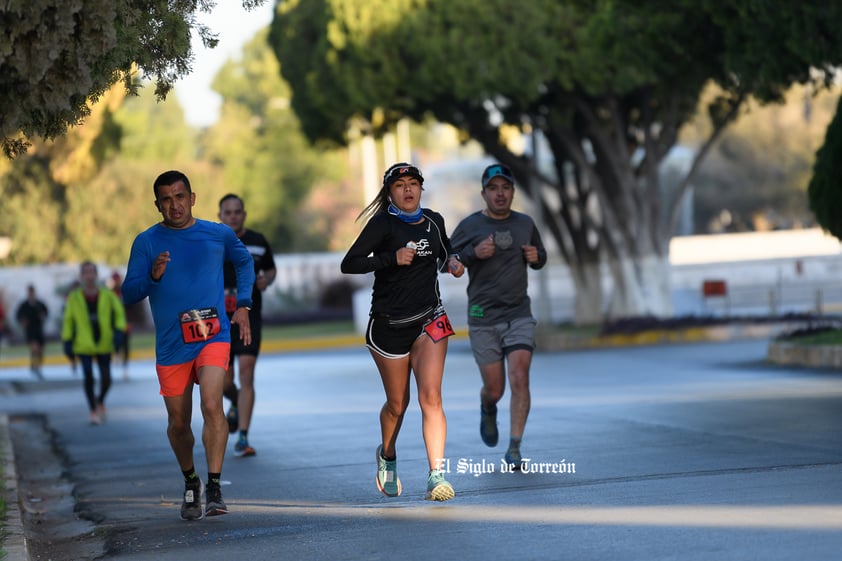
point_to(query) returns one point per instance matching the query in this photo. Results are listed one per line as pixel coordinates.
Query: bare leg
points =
(230, 387)
(427, 360)
(39, 355)
(215, 429)
(394, 374)
(519, 362)
(36, 357)
(493, 384)
(179, 432)
(245, 401)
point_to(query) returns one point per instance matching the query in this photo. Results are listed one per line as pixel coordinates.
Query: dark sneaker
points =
(243, 450)
(191, 507)
(438, 489)
(488, 426)
(387, 476)
(233, 419)
(215, 506)
(513, 458)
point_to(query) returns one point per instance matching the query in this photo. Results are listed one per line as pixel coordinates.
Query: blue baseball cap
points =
(495, 170)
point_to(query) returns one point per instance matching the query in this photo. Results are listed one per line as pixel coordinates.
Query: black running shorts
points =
(237, 345)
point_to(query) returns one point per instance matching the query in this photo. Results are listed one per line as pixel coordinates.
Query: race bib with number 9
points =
(197, 326)
(439, 327)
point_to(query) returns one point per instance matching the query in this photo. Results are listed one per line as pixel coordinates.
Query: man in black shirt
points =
(31, 315)
(232, 213)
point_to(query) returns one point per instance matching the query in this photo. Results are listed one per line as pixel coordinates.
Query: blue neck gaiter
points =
(407, 217)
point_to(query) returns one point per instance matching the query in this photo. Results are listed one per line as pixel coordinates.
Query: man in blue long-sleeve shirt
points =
(177, 263)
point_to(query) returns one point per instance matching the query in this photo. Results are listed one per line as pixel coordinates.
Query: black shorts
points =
(394, 339)
(237, 345)
(35, 337)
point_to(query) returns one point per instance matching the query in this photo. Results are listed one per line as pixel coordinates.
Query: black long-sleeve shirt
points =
(400, 291)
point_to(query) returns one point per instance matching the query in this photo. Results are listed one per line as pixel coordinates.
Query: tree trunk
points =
(641, 287)
(589, 302)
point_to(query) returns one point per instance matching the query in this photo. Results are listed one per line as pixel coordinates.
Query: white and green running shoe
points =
(387, 475)
(438, 489)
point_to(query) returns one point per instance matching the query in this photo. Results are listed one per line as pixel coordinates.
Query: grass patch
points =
(820, 336)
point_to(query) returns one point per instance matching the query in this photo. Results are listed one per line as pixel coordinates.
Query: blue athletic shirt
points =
(193, 280)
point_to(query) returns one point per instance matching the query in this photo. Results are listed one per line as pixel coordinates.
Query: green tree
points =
(153, 137)
(607, 83)
(86, 194)
(36, 188)
(260, 152)
(58, 57)
(825, 189)
(32, 215)
(155, 132)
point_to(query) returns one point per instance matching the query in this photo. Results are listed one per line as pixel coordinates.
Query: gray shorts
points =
(490, 343)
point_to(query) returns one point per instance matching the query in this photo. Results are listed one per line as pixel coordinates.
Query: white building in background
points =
(766, 273)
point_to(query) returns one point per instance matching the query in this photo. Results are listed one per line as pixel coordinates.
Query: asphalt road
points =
(685, 452)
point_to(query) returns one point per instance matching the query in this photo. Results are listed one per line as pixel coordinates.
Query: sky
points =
(234, 26)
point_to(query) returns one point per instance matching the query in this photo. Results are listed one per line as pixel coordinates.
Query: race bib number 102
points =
(197, 326)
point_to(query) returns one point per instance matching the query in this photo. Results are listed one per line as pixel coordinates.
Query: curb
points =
(14, 546)
(275, 346)
(292, 345)
(554, 341)
(546, 339)
(814, 356)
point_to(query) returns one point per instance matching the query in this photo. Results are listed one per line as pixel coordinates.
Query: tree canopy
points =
(87, 193)
(825, 189)
(608, 84)
(261, 152)
(58, 57)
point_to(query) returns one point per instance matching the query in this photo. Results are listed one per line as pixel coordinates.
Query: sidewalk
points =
(14, 538)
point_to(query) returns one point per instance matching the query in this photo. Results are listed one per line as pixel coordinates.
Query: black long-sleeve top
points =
(401, 291)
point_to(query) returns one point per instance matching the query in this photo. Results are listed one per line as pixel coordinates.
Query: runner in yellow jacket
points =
(94, 318)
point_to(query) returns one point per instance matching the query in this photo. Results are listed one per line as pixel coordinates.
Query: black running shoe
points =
(233, 419)
(215, 506)
(514, 459)
(488, 426)
(191, 507)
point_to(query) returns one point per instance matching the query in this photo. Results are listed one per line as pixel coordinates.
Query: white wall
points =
(789, 269)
